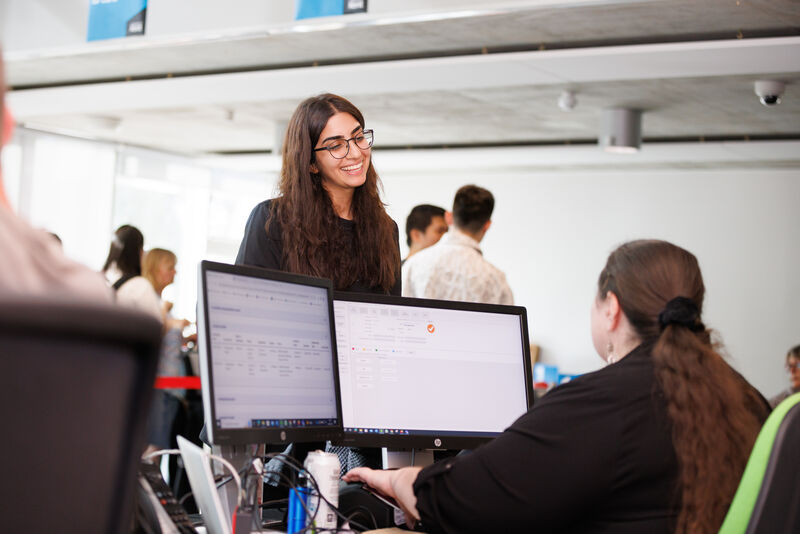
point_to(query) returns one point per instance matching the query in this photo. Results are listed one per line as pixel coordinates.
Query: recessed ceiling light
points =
(621, 131)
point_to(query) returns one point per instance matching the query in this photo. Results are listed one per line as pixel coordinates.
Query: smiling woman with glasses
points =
(329, 220)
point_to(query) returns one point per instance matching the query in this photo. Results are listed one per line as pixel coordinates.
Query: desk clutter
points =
(313, 504)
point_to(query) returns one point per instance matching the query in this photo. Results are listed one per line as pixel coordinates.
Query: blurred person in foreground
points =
(31, 261)
(654, 442)
(793, 368)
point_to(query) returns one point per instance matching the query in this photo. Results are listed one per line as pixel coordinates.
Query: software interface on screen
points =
(411, 370)
(270, 353)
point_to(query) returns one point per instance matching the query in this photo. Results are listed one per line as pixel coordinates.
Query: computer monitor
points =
(267, 356)
(429, 374)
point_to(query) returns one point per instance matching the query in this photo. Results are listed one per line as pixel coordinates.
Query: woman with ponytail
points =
(714, 414)
(655, 442)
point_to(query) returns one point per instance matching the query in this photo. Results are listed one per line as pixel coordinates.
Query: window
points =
(83, 190)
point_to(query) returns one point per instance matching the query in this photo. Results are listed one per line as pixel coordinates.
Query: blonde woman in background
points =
(158, 269)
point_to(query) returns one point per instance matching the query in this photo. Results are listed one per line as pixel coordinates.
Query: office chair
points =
(768, 498)
(76, 381)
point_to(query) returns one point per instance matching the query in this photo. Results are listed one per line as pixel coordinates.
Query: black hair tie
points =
(683, 312)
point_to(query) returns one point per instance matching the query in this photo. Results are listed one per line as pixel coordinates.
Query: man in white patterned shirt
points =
(454, 268)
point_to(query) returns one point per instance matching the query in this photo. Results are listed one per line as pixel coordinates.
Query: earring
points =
(610, 356)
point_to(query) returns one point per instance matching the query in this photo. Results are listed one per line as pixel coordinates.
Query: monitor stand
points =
(396, 458)
(239, 456)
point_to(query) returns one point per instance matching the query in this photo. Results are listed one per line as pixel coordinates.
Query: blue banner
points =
(307, 9)
(109, 19)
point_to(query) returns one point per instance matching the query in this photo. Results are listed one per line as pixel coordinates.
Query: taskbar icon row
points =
(390, 431)
(290, 423)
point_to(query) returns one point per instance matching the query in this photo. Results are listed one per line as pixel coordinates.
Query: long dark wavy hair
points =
(713, 412)
(313, 242)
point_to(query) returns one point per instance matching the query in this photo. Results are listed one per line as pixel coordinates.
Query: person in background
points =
(654, 442)
(158, 269)
(124, 260)
(793, 368)
(31, 261)
(329, 220)
(454, 268)
(425, 226)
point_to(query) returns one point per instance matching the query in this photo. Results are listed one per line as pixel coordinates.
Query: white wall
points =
(34, 24)
(170, 17)
(553, 231)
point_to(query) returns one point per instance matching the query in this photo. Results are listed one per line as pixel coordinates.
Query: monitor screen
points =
(267, 357)
(418, 373)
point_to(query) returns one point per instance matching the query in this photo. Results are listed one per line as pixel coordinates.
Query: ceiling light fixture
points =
(567, 101)
(622, 130)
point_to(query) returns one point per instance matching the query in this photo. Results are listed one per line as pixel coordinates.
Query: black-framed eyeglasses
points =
(792, 366)
(339, 148)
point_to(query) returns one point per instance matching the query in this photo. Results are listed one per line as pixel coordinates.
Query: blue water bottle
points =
(296, 515)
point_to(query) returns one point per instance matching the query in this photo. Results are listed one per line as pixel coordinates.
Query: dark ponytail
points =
(715, 414)
(125, 251)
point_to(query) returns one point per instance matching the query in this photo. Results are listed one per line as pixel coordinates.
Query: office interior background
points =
(178, 132)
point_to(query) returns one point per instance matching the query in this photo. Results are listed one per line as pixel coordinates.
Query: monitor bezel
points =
(437, 441)
(278, 435)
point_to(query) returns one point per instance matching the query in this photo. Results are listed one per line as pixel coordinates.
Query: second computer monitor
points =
(418, 373)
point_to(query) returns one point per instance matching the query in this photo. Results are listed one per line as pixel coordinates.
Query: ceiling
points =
(467, 78)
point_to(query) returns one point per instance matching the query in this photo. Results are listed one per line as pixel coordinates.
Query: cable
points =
(219, 481)
(322, 497)
(360, 510)
(295, 464)
(160, 452)
(185, 497)
(267, 504)
(223, 461)
(234, 474)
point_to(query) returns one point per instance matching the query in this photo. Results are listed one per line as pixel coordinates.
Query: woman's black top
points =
(263, 249)
(594, 455)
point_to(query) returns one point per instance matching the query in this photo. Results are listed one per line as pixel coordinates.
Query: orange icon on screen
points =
(431, 328)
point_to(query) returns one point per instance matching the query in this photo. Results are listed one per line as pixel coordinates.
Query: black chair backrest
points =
(777, 508)
(76, 381)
